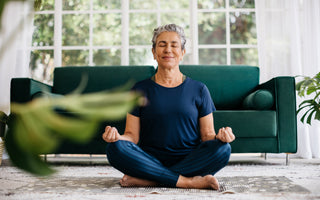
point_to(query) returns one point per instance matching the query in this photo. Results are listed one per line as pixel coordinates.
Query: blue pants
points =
(130, 159)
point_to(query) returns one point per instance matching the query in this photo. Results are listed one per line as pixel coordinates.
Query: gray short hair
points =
(169, 28)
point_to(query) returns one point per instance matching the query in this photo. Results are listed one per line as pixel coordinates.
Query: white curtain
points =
(288, 34)
(15, 40)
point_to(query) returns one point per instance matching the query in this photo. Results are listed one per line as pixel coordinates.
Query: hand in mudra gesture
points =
(110, 134)
(225, 134)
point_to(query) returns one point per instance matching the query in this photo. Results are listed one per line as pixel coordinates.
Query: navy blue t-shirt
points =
(170, 120)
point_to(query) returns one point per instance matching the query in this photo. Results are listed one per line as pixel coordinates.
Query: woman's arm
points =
(207, 128)
(131, 132)
(207, 132)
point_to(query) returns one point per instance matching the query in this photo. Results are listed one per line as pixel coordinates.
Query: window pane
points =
(106, 4)
(141, 57)
(211, 4)
(43, 30)
(178, 18)
(75, 57)
(46, 5)
(242, 3)
(75, 5)
(177, 4)
(141, 27)
(41, 65)
(107, 57)
(143, 4)
(212, 56)
(107, 29)
(244, 56)
(212, 28)
(75, 30)
(243, 28)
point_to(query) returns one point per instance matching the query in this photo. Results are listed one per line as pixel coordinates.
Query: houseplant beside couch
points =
(262, 116)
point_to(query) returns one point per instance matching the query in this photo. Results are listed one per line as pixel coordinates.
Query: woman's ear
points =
(182, 54)
(154, 54)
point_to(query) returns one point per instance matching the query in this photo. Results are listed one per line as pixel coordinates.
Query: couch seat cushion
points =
(247, 123)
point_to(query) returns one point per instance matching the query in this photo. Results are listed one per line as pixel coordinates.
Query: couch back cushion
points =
(67, 79)
(228, 85)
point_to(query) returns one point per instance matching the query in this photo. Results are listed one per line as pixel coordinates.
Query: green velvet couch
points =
(262, 116)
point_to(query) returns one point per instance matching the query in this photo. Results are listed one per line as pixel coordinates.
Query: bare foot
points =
(198, 182)
(129, 181)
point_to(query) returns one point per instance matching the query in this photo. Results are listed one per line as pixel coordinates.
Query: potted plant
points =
(309, 88)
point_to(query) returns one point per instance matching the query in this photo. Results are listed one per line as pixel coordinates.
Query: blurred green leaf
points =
(37, 128)
(23, 159)
(73, 128)
(32, 136)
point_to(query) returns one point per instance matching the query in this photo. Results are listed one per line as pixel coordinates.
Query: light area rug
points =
(110, 185)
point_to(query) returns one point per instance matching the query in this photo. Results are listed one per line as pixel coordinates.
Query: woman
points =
(178, 146)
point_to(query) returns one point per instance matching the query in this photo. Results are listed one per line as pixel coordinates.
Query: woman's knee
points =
(227, 149)
(224, 149)
(218, 144)
(114, 149)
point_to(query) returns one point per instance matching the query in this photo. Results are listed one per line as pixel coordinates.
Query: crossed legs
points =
(195, 171)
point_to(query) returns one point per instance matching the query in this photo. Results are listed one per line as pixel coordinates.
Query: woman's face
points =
(168, 52)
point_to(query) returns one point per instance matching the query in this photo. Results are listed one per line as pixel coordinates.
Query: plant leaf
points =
(305, 114)
(298, 85)
(310, 117)
(73, 128)
(317, 116)
(311, 89)
(32, 135)
(36, 128)
(24, 160)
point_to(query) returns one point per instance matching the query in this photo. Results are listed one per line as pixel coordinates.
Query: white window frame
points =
(193, 44)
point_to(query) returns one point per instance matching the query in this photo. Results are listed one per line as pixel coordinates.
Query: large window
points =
(114, 32)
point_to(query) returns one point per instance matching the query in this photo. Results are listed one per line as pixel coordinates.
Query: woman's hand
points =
(225, 135)
(110, 134)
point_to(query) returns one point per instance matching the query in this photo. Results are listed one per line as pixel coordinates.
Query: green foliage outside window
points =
(106, 4)
(75, 57)
(75, 30)
(107, 57)
(243, 28)
(46, 5)
(212, 28)
(43, 35)
(107, 29)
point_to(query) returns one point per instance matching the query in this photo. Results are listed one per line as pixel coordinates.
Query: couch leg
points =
(264, 155)
(287, 159)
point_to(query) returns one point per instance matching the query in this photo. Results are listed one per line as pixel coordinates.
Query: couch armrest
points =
(24, 89)
(283, 90)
